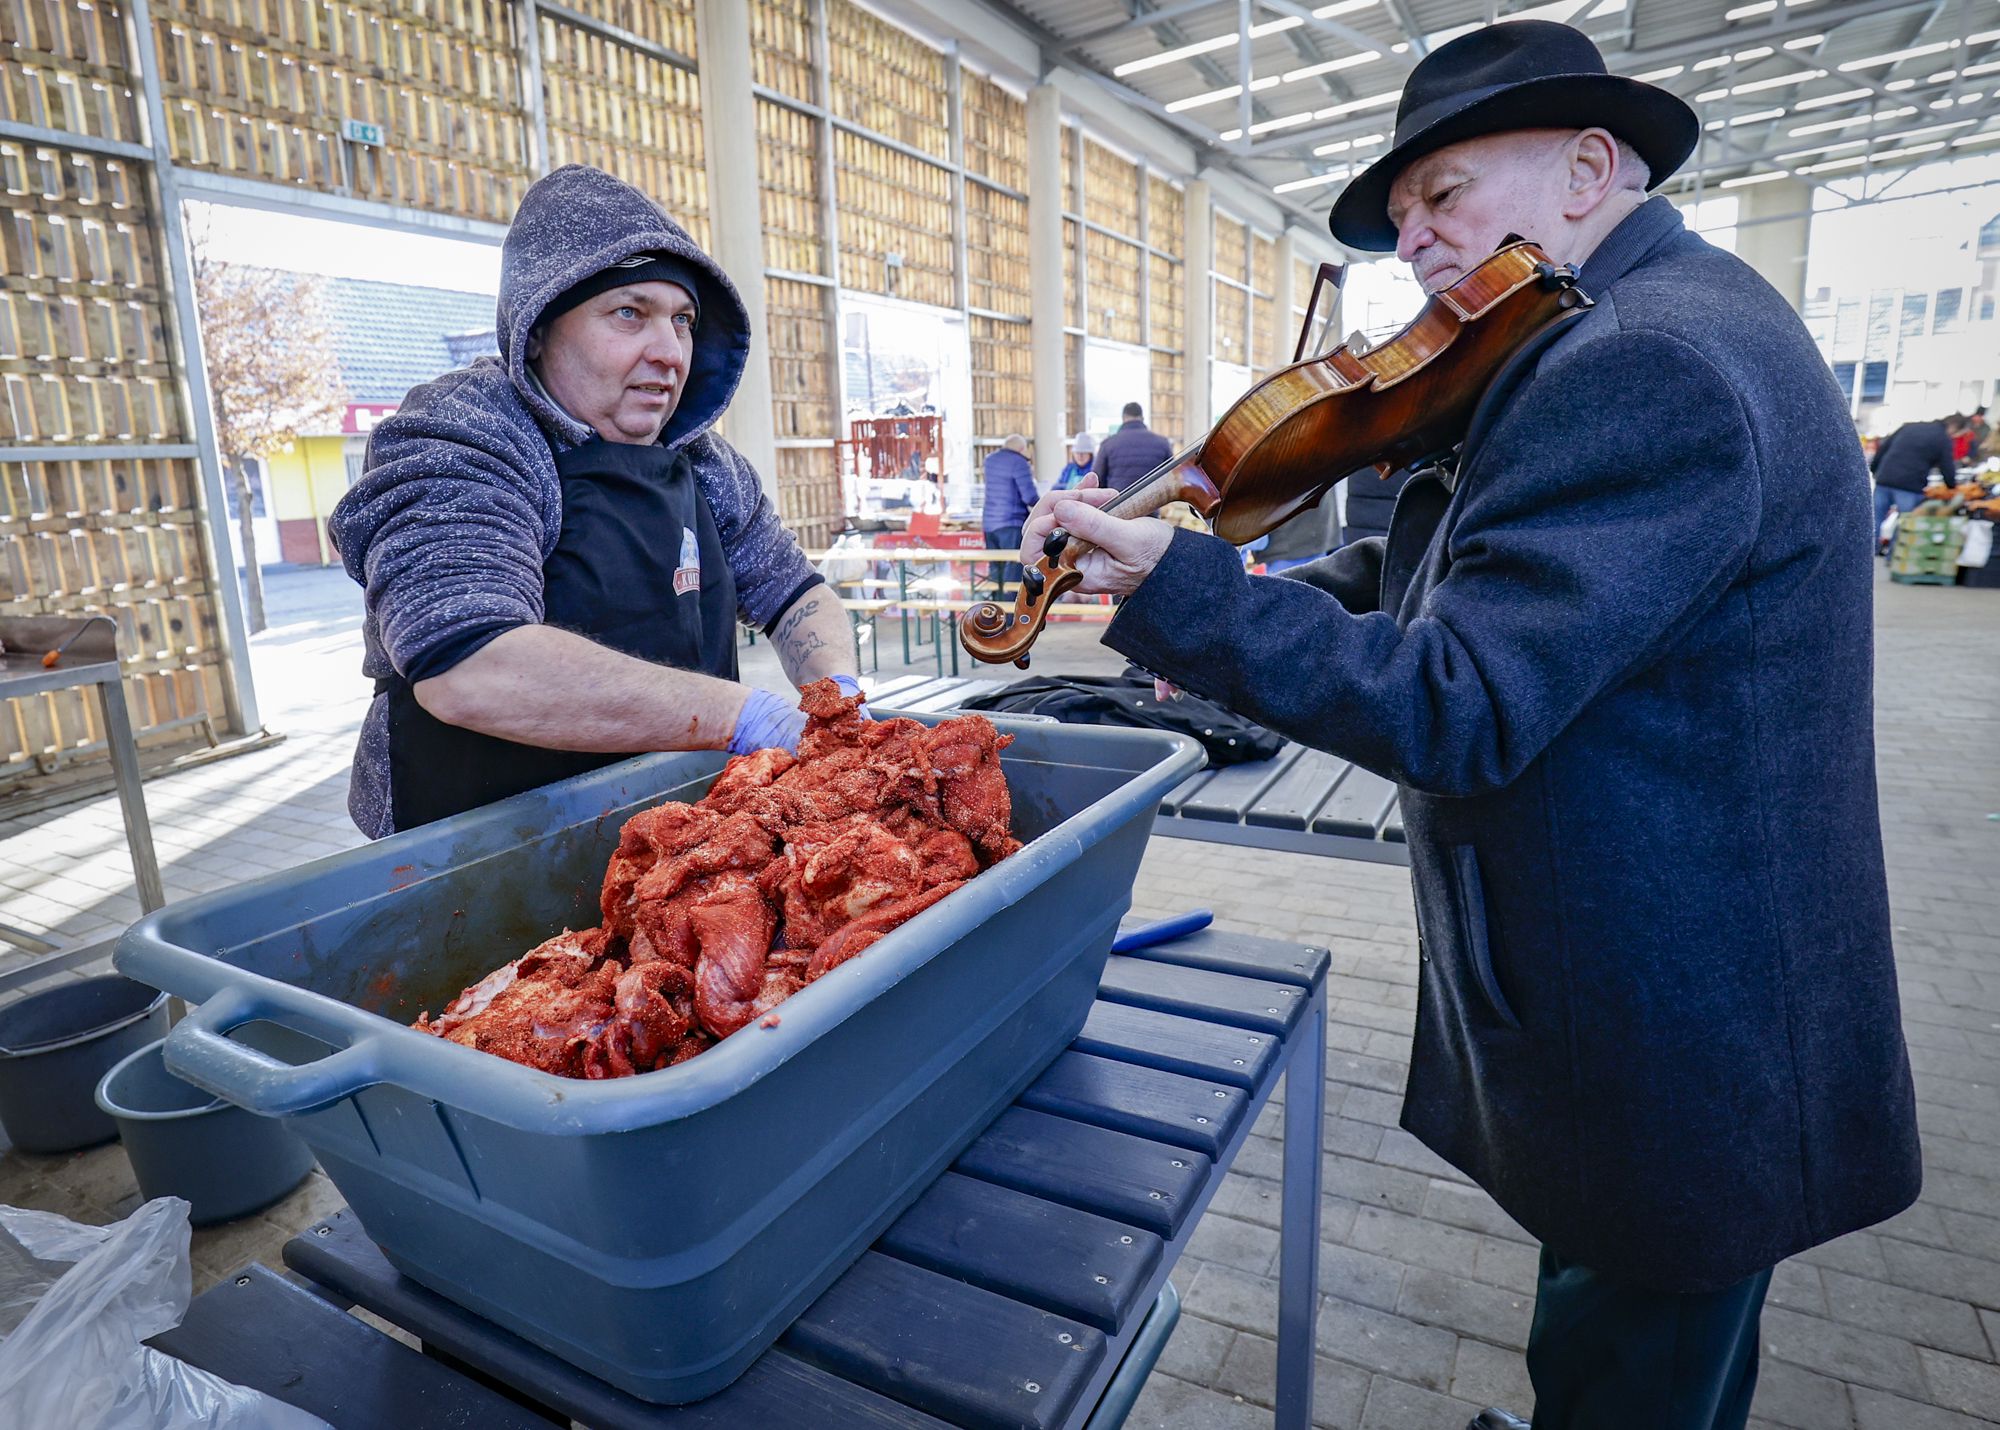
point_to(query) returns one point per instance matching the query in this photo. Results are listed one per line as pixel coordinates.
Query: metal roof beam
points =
(1352, 36)
(1164, 15)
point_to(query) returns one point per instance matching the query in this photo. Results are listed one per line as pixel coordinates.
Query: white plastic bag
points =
(1978, 548)
(76, 1302)
(839, 565)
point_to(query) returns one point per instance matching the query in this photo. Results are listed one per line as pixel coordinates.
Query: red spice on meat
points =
(716, 912)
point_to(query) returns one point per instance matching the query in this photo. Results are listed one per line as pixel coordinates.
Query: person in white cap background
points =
(1617, 656)
(1076, 471)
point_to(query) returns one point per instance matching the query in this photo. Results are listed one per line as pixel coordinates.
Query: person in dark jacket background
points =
(1905, 459)
(1131, 452)
(1010, 495)
(1619, 661)
(1305, 537)
(1371, 500)
(555, 547)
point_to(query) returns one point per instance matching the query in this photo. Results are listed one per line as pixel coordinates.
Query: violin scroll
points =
(994, 634)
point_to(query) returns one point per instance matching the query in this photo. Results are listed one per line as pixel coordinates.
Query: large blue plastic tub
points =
(658, 1231)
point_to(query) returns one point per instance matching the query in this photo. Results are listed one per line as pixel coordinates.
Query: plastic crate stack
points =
(1928, 541)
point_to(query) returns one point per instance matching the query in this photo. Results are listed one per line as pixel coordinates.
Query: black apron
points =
(639, 568)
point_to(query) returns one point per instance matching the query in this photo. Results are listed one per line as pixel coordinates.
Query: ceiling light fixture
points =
(1757, 86)
(1804, 42)
(1749, 179)
(1825, 124)
(1763, 7)
(1316, 181)
(1754, 117)
(1823, 100)
(1741, 57)
(1213, 96)
(1655, 76)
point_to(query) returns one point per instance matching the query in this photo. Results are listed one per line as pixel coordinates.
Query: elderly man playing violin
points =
(1617, 657)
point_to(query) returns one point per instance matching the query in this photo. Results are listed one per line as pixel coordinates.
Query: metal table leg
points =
(131, 796)
(1298, 1256)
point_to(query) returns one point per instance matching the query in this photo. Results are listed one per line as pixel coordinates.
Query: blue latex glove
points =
(849, 685)
(767, 721)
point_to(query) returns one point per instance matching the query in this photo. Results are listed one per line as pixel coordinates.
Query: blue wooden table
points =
(1300, 800)
(1026, 1289)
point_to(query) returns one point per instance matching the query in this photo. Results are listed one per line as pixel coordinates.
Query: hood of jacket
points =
(578, 221)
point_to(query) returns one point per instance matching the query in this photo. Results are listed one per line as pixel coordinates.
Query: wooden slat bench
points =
(1302, 801)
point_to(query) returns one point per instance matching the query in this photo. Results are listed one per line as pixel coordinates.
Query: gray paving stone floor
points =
(1428, 1287)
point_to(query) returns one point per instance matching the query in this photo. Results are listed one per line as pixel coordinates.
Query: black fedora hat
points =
(1522, 74)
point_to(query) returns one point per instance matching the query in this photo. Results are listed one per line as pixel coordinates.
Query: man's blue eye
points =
(686, 320)
(626, 310)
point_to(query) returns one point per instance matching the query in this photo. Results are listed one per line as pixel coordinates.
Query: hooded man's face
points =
(618, 361)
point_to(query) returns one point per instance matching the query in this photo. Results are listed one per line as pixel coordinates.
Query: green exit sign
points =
(363, 133)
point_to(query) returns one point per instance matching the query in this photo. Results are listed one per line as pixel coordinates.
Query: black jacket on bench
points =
(1623, 675)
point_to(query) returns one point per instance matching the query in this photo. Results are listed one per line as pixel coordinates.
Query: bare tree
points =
(267, 345)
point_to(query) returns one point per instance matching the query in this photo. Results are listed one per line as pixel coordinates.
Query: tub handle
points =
(200, 1050)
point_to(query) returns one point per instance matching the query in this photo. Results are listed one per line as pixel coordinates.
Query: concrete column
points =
(1286, 296)
(1045, 274)
(736, 221)
(1199, 305)
(1774, 225)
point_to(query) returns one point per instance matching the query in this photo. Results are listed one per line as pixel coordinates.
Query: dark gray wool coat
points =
(459, 503)
(1622, 674)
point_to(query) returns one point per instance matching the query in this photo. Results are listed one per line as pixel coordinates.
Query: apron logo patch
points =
(687, 575)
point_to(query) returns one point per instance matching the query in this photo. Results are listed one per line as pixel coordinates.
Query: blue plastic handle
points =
(1166, 930)
(200, 1050)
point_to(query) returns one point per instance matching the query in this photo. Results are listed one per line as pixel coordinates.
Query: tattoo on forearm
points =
(795, 619)
(795, 643)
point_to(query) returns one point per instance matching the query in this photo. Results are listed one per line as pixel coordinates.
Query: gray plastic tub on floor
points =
(56, 1044)
(184, 1142)
(658, 1231)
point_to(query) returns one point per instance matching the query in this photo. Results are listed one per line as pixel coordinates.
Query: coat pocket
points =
(1469, 897)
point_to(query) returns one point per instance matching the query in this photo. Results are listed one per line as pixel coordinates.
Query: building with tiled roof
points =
(387, 339)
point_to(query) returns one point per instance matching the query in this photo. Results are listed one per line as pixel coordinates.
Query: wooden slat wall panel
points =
(1073, 408)
(1165, 216)
(1231, 248)
(996, 250)
(1263, 333)
(628, 113)
(809, 498)
(803, 408)
(1168, 414)
(1166, 291)
(801, 360)
(788, 179)
(781, 46)
(85, 359)
(669, 23)
(1231, 310)
(1072, 237)
(890, 203)
(887, 80)
(1003, 393)
(996, 131)
(63, 66)
(258, 88)
(1110, 189)
(1263, 314)
(1114, 288)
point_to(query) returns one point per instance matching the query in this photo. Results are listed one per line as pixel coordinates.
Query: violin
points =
(1281, 447)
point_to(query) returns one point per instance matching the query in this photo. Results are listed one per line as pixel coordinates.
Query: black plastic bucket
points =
(184, 1142)
(54, 1047)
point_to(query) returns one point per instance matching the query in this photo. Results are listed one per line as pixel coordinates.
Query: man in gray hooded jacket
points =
(556, 547)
